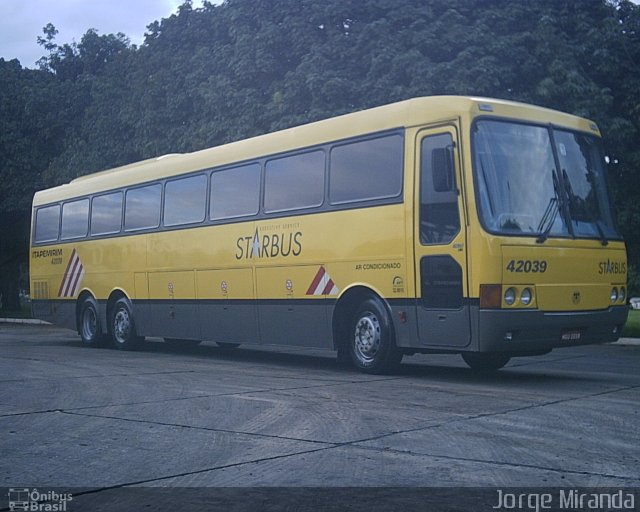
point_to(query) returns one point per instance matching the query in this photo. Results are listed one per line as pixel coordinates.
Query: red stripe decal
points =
(316, 281)
(76, 281)
(328, 288)
(70, 277)
(66, 272)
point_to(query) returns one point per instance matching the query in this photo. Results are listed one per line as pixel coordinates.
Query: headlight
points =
(510, 296)
(526, 296)
(623, 294)
(614, 294)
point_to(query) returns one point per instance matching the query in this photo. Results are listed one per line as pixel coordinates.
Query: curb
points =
(28, 321)
(627, 341)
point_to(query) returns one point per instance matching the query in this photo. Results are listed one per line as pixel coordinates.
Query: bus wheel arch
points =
(362, 310)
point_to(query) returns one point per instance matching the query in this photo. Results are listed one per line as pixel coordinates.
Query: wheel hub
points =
(367, 337)
(121, 326)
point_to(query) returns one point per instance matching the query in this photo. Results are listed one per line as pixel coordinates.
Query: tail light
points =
(490, 296)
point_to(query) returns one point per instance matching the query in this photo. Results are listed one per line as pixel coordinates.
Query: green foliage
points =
(632, 328)
(223, 72)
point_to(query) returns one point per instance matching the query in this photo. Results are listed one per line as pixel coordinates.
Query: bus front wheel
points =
(370, 343)
(123, 328)
(485, 362)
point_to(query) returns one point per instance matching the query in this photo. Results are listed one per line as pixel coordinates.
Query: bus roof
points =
(403, 114)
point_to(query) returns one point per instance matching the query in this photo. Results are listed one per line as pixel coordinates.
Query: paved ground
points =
(73, 417)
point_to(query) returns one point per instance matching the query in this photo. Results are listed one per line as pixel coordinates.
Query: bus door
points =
(440, 241)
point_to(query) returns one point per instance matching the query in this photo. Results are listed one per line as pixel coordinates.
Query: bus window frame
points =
(243, 217)
(35, 223)
(160, 211)
(119, 232)
(163, 200)
(348, 142)
(293, 154)
(88, 219)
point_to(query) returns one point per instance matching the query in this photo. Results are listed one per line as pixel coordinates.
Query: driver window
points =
(439, 217)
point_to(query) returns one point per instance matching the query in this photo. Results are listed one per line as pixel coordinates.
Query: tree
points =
(31, 134)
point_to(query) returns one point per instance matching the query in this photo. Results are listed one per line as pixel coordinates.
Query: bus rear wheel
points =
(488, 362)
(370, 343)
(89, 324)
(123, 328)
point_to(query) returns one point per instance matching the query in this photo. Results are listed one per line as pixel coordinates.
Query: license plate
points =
(571, 336)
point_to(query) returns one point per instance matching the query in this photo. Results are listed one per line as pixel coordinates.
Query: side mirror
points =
(444, 177)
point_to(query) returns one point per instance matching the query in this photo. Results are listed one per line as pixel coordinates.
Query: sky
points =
(21, 22)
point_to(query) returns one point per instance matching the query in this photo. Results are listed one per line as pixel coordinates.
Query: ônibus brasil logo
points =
(23, 498)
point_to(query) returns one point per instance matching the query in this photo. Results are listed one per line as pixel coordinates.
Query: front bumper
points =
(530, 331)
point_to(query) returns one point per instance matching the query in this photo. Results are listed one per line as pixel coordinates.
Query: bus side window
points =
(439, 216)
(47, 224)
(106, 214)
(294, 182)
(142, 207)
(75, 219)
(235, 192)
(185, 200)
(366, 170)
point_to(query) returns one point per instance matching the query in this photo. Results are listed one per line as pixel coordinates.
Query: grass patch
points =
(632, 328)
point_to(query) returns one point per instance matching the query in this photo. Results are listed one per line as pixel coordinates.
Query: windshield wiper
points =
(603, 237)
(547, 220)
(550, 213)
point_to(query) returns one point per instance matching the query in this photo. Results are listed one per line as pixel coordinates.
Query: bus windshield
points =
(541, 181)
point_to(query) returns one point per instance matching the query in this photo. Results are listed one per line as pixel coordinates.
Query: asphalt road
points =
(101, 419)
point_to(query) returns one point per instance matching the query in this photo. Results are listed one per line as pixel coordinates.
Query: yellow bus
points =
(434, 225)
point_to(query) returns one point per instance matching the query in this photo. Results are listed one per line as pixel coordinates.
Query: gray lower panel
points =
(58, 312)
(229, 323)
(276, 323)
(143, 316)
(432, 329)
(295, 324)
(167, 320)
(405, 322)
(448, 328)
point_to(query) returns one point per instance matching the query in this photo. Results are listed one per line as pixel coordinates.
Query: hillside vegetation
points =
(223, 72)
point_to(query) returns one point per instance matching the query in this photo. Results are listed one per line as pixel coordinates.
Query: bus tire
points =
(123, 327)
(485, 362)
(371, 341)
(89, 324)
